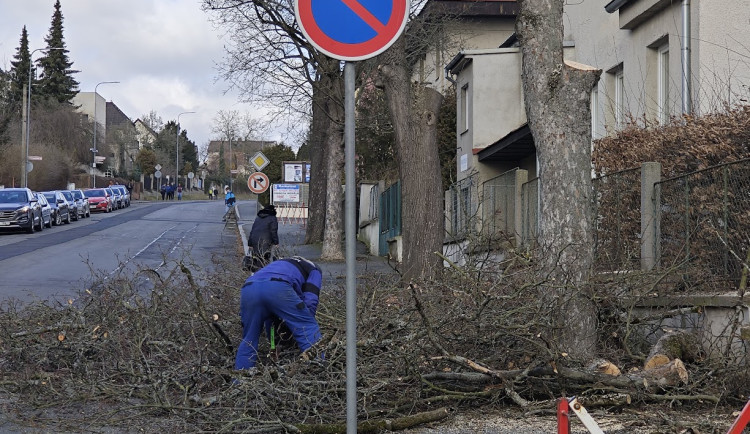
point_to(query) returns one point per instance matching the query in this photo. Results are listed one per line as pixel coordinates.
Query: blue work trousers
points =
(263, 300)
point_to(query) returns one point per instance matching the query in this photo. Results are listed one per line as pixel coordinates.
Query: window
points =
(619, 99)
(664, 111)
(464, 109)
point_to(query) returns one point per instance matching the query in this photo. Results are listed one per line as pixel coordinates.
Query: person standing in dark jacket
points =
(287, 290)
(263, 236)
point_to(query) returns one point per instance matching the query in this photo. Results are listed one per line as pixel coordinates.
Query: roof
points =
(144, 126)
(465, 8)
(239, 145)
(517, 145)
(115, 116)
(615, 5)
(464, 57)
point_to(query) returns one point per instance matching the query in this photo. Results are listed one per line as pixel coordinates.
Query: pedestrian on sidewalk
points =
(286, 290)
(263, 236)
(229, 200)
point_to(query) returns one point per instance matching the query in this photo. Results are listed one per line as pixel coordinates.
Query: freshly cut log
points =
(606, 367)
(670, 374)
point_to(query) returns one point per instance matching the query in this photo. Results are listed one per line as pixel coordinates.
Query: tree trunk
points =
(316, 205)
(333, 231)
(557, 97)
(414, 113)
(325, 222)
(333, 247)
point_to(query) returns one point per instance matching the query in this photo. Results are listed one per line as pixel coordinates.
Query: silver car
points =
(73, 204)
(82, 202)
(116, 197)
(124, 193)
(46, 209)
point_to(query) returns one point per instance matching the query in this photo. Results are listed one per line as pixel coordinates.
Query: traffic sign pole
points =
(351, 246)
(370, 29)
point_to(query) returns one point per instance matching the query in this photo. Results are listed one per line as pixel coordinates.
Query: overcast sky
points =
(163, 53)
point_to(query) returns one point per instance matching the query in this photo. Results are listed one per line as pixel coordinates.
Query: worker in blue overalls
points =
(288, 290)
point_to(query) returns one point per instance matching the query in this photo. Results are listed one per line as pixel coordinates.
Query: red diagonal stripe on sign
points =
(366, 16)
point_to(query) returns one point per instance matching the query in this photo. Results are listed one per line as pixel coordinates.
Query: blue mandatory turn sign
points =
(352, 29)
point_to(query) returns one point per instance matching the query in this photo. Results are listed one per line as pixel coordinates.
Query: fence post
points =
(522, 177)
(650, 206)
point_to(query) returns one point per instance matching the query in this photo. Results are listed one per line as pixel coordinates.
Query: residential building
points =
(659, 58)
(236, 153)
(144, 134)
(115, 133)
(122, 140)
(461, 25)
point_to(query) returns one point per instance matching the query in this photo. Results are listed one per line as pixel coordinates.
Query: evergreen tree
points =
(6, 112)
(19, 73)
(188, 153)
(57, 82)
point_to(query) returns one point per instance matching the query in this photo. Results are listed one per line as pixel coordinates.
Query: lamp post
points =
(94, 150)
(25, 171)
(177, 154)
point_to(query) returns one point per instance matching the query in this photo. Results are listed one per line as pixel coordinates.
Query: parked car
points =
(84, 202)
(116, 198)
(124, 192)
(60, 207)
(75, 212)
(19, 208)
(46, 209)
(99, 199)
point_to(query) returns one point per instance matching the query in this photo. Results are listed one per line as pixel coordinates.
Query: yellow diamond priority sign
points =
(259, 161)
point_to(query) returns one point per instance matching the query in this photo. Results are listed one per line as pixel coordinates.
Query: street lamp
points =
(94, 150)
(177, 158)
(25, 170)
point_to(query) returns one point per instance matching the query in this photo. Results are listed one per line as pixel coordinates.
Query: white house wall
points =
(720, 49)
(721, 45)
(466, 34)
(495, 103)
(85, 103)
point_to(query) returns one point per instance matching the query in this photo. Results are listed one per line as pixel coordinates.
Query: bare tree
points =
(271, 63)
(226, 124)
(153, 120)
(253, 128)
(414, 110)
(557, 96)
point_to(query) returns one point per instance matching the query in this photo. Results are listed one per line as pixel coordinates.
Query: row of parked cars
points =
(32, 211)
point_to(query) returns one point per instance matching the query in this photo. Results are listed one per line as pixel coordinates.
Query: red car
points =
(99, 199)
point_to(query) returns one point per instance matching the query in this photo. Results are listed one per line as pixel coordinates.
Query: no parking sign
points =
(352, 29)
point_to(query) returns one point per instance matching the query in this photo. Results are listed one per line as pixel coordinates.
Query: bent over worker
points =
(287, 289)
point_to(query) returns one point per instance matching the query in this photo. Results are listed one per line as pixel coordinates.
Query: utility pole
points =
(25, 142)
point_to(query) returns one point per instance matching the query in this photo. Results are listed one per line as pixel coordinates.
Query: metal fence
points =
(499, 204)
(390, 216)
(464, 204)
(373, 210)
(618, 221)
(705, 224)
(530, 212)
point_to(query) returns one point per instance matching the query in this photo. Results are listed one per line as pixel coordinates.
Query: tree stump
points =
(674, 344)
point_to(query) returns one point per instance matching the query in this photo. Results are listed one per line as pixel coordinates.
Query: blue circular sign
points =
(352, 29)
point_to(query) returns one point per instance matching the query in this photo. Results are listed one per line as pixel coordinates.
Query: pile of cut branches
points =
(127, 354)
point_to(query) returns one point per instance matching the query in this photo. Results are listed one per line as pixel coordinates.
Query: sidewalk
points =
(291, 243)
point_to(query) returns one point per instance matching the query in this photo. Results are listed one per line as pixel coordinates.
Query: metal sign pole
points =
(351, 245)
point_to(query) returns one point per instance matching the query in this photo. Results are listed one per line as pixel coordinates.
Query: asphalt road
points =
(59, 262)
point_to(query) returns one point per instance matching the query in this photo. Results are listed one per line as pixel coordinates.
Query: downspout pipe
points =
(687, 103)
(449, 76)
